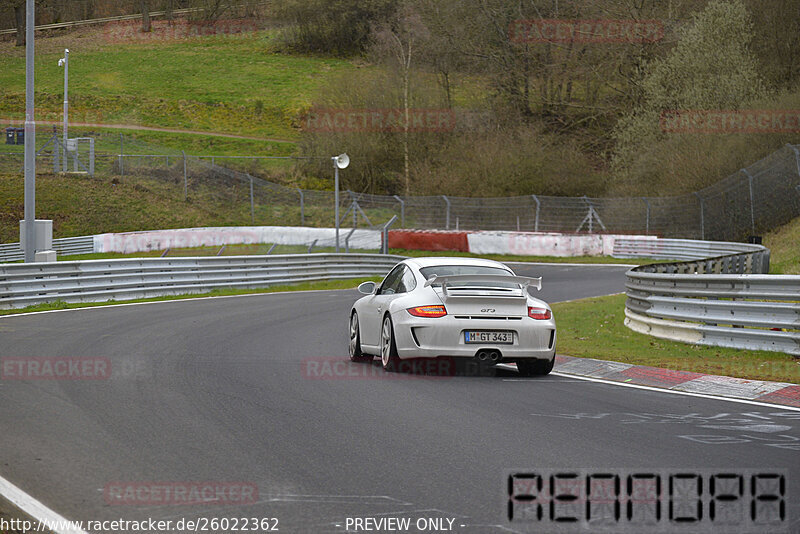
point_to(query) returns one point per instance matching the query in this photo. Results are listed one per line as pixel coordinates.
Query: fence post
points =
(302, 208)
(185, 180)
(385, 234)
(56, 145)
(121, 155)
(536, 221)
(252, 203)
(702, 216)
(347, 240)
(796, 157)
(752, 202)
(447, 215)
(647, 222)
(91, 157)
(402, 211)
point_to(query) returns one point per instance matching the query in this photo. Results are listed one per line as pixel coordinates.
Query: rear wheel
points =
(535, 367)
(355, 342)
(389, 358)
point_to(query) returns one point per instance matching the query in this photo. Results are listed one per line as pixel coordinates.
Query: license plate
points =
(489, 337)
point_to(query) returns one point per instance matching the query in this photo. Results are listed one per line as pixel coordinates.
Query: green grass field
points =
(235, 84)
(594, 328)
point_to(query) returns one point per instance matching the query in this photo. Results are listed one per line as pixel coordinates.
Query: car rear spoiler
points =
(523, 281)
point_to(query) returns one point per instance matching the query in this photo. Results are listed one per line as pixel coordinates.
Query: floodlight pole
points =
(30, 138)
(66, 104)
(336, 199)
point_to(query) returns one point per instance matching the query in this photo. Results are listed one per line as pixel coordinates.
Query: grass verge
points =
(350, 283)
(594, 328)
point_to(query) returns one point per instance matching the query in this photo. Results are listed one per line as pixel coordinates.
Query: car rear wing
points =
(523, 281)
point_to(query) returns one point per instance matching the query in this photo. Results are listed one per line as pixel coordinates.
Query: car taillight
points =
(541, 314)
(428, 311)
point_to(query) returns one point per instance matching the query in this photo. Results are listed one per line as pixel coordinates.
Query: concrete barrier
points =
(543, 244)
(130, 242)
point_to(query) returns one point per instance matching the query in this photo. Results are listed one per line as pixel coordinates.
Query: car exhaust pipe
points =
(488, 356)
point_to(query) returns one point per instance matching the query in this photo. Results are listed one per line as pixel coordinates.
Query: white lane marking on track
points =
(172, 301)
(676, 392)
(358, 499)
(36, 509)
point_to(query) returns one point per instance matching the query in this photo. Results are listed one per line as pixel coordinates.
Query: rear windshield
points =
(449, 270)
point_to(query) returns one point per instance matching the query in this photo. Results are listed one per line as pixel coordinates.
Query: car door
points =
(377, 305)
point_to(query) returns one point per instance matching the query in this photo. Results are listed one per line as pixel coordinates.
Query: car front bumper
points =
(444, 336)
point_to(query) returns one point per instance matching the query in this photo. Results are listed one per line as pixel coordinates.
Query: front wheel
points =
(389, 358)
(355, 342)
(535, 367)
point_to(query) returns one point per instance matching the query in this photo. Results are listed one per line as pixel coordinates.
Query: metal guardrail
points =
(64, 246)
(678, 249)
(735, 307)
(25, 284)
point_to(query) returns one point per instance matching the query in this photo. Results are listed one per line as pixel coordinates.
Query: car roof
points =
(450, 260)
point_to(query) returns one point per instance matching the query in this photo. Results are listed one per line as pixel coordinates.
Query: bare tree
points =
(145, 15)
(19, 19)
(398, 40)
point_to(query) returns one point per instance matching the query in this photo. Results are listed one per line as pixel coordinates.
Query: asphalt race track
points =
(231, 390)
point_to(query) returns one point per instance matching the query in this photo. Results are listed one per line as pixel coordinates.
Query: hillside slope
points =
(784, 243)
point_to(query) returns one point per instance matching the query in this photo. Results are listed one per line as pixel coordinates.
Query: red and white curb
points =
(781, 393)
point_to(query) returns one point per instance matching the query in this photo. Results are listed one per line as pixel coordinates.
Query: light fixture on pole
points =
(64, 62)
(30, 137)
(339, 162)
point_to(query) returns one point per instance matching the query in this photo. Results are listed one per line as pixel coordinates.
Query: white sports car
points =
(453, 307)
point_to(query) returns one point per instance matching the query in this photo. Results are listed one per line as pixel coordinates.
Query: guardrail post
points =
(647, 220)
(752, 202)
(302, 208)
(402, 211)
(538, 206)
(385, 235)
(447, 214)
(702, 216)
(185, 181)
(252, 202)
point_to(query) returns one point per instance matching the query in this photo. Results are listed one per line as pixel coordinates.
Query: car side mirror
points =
(366, 288)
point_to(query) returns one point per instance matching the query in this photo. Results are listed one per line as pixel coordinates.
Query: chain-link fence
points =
(749, 202)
